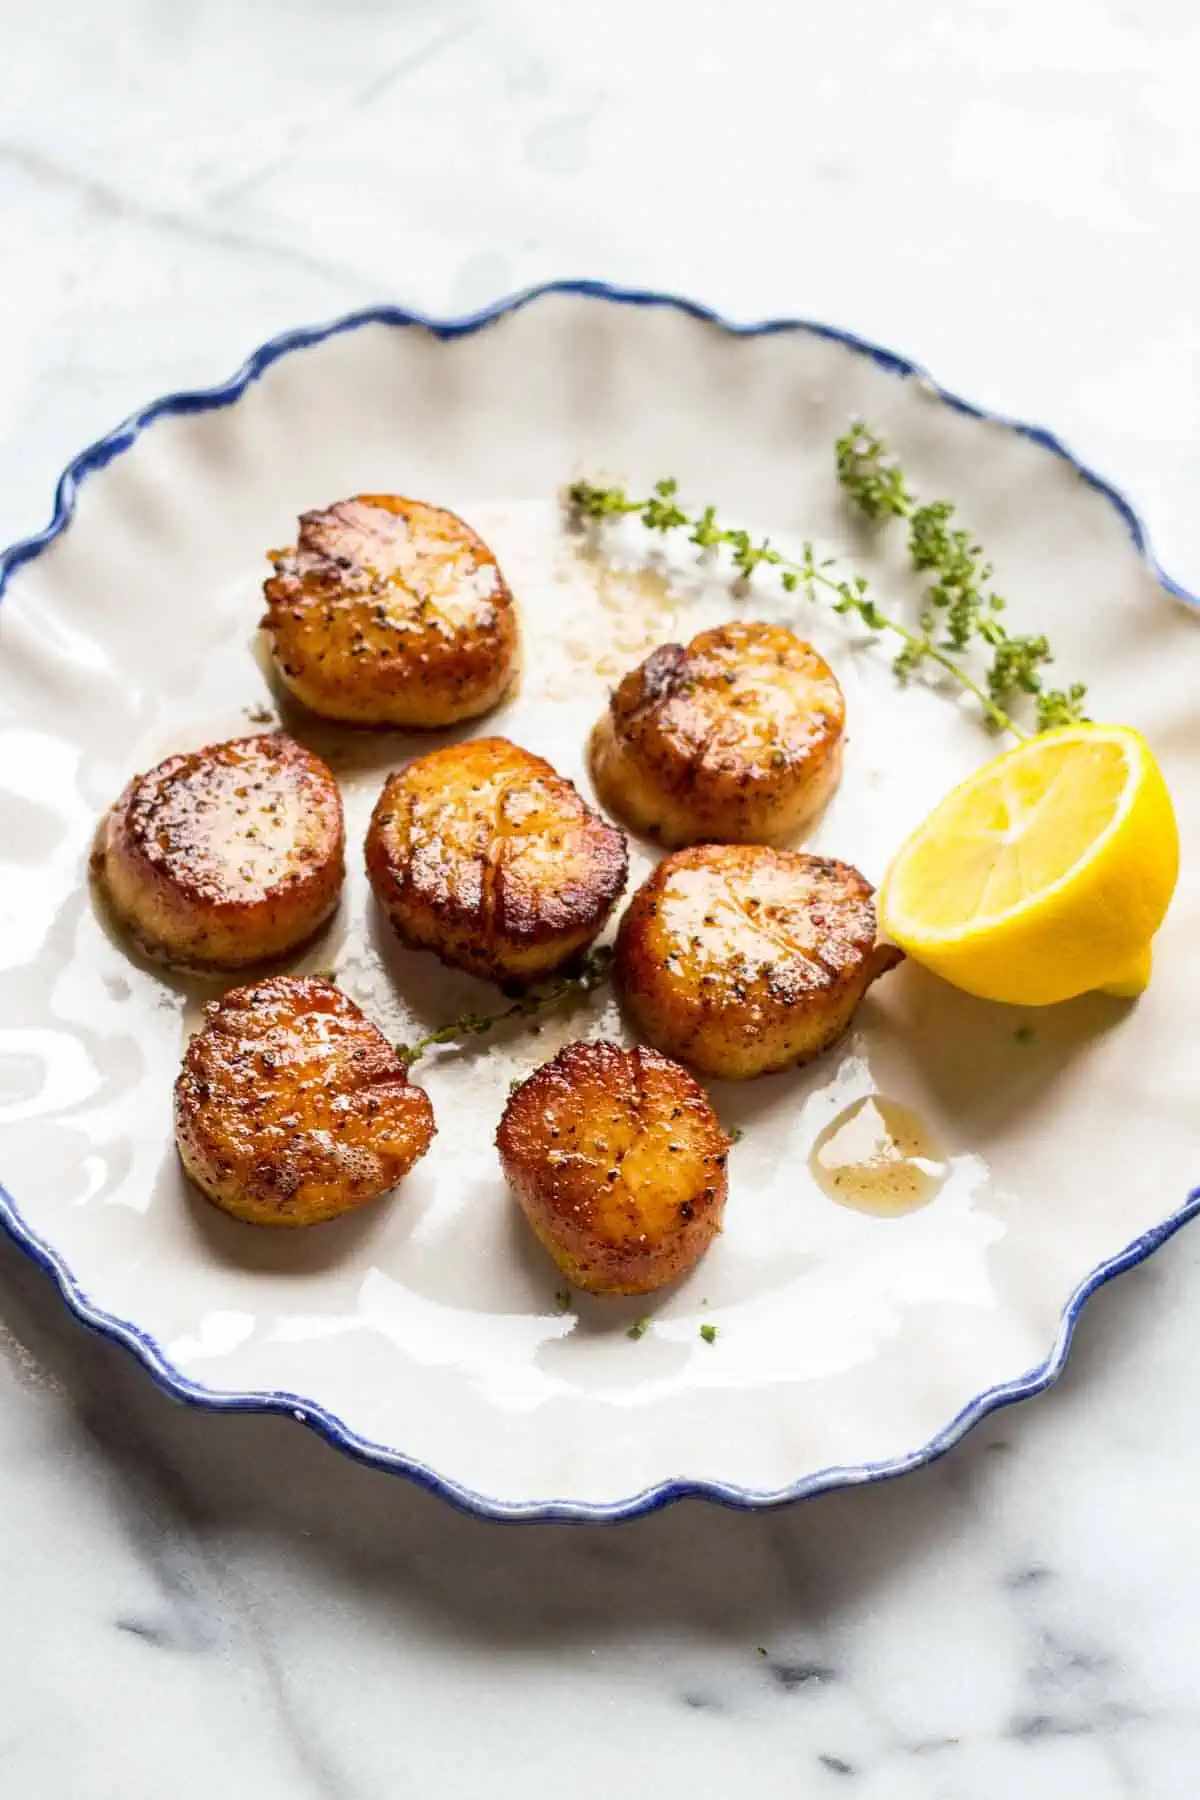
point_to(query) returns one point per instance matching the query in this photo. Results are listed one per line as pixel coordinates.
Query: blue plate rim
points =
(325, 1423)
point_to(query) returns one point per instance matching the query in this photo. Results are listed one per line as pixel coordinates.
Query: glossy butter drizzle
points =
(878, 1157)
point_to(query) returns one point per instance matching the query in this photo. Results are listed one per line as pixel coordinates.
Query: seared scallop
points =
(734, 738)
(618, 1162)
(225, 856)
(741, 959)
(292, 1108)
(483, 854)
(391, 612)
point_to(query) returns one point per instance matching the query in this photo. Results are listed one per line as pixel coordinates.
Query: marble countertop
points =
(198, 1605)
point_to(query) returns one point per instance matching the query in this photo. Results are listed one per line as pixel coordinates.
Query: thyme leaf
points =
(960, 609)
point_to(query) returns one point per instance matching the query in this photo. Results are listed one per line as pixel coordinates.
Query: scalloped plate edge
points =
(327, 1425)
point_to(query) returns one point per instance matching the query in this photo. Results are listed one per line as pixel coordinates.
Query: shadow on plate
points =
(269, 1250)
(198, 986)
(979, 1062)
(352, 750)
(434, 993)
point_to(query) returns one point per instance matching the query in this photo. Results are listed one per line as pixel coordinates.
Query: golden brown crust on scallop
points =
(735, 738)
(483, 854)
(741, 959)
(292, 1108)
(391, 612)
(228, 855)
(618, 1162)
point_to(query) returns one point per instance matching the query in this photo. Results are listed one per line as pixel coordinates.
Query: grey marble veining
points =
(198, 1605)
(229, 1584)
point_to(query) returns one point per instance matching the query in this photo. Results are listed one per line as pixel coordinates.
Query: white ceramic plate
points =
(422, 1335)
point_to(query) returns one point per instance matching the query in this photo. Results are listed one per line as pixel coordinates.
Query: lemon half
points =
(1045, 874)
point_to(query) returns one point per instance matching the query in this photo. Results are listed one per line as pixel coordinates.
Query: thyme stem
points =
(958, 603)
(592, 973)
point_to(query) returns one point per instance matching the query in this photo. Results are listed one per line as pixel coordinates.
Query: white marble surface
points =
(196, 1605)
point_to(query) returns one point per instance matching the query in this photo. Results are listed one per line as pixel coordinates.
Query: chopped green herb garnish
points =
(562, 1300)
(709, 1333)
(638, 1329)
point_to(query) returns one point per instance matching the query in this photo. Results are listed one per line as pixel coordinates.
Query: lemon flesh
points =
(1045, 874)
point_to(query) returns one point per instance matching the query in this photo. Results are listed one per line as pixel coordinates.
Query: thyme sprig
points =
(591, 974)
(959, 600)
(958, 608)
